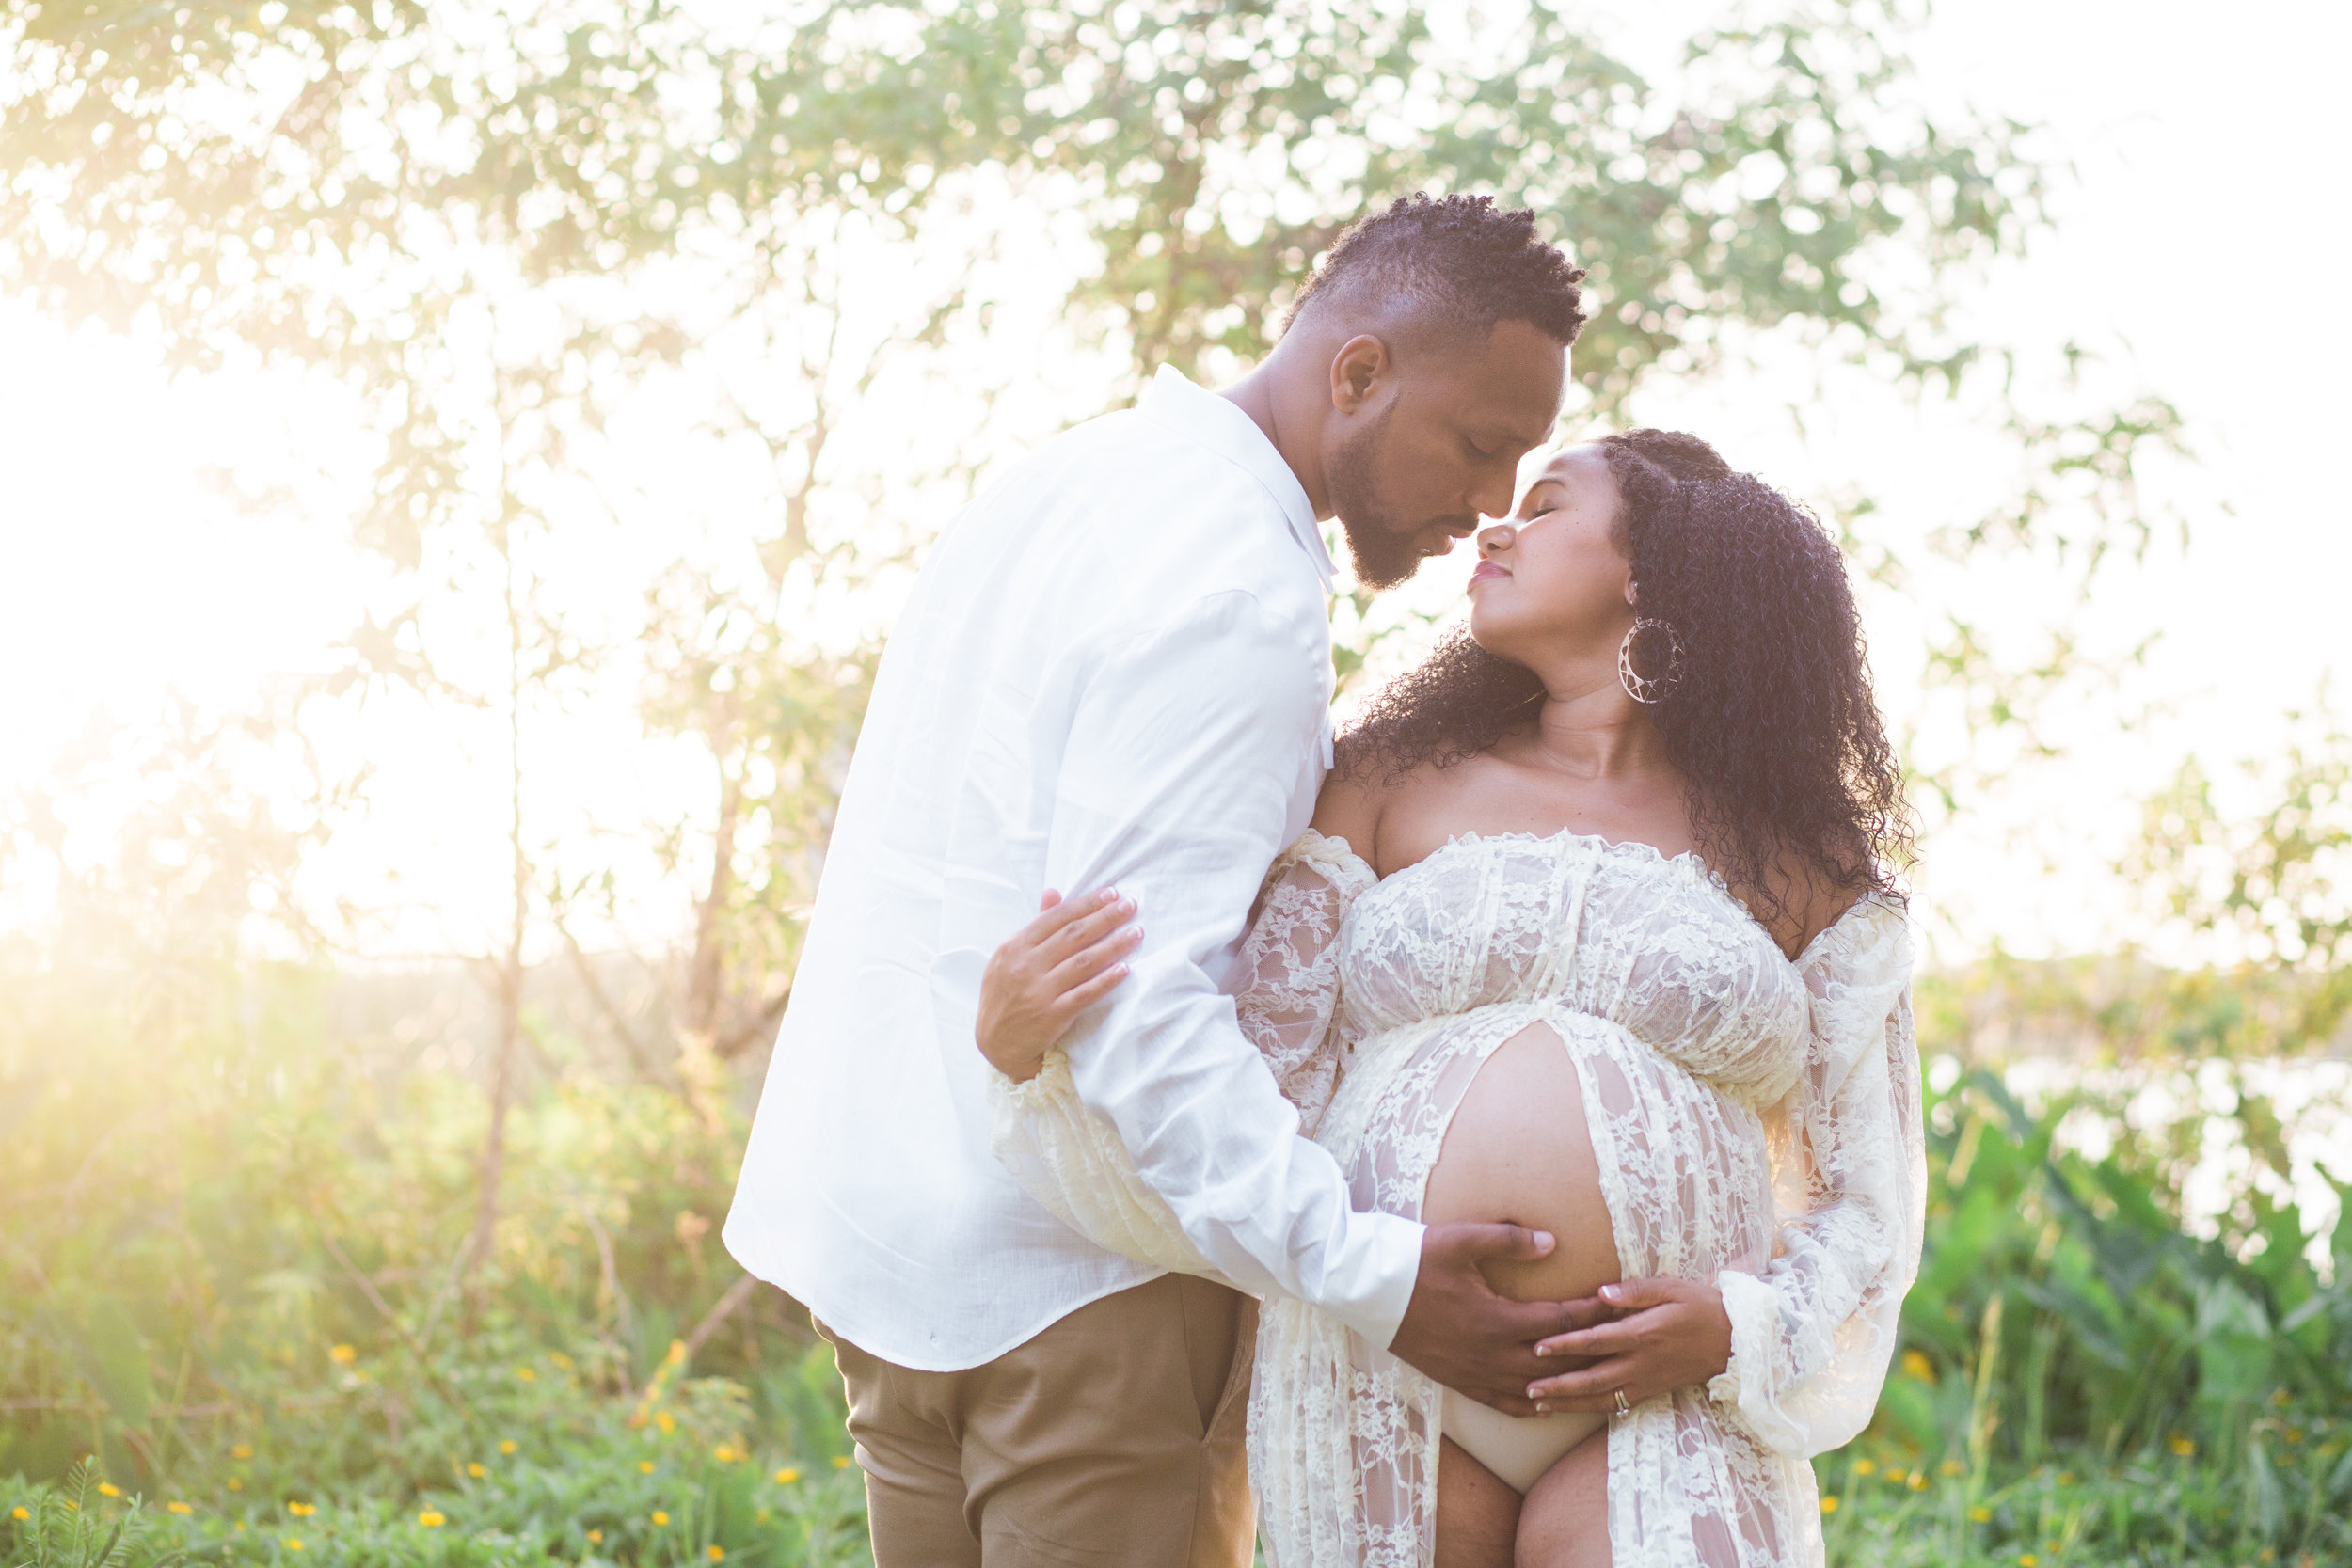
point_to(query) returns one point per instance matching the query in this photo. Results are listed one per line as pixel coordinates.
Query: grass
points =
(535, 1466)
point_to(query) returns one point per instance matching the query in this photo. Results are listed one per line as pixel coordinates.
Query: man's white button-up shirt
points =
(1114, 671)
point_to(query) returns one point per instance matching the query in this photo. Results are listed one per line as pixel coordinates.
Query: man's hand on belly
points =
(1459, 1332)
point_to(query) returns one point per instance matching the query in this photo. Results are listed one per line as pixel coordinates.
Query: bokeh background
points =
(461, 463)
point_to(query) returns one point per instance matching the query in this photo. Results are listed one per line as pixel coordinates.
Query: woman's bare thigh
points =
(1518, 1150)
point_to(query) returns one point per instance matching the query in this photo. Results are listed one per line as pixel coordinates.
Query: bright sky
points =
(2197, 250)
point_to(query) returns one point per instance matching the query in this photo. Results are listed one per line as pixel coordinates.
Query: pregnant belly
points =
(1519, 1148)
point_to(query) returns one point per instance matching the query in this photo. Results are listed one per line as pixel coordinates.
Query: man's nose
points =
(1491, 495)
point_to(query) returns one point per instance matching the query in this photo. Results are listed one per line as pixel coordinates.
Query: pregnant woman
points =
(1593, 932)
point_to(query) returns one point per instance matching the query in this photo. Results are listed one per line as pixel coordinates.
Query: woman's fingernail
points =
(1543, 1350)
(1610, 1292)
(1542, 1409)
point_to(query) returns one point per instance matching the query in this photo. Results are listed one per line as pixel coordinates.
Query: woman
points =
(1593, 931)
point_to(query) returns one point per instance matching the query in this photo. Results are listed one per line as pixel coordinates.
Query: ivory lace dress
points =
(1756, 1124)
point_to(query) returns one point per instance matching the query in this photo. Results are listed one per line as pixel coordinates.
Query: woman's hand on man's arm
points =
(1666, 1334)
(1049, 971)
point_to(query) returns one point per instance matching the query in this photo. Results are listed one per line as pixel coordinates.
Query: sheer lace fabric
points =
(1756, 1123)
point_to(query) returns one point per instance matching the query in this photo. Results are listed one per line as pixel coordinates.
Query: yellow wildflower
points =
(595, 1537)
(1864, 1467)
(1951, 1466)
(2295, 1434)
(724, 1453)
(2028, 1560)
(242, 1451)
(302, 1510)
(645, 1467)
(1829, 1505)
(20, 1511)
(2066, 1478)
(1980, 1515)
(343, 1355)
(525, 1375)
(786, 1476)
(1919, 1366)
(565, 1363)
(715, 1553)
(678, 1353)
(659, 1517)
(508, 1446)
(667, 1422)
(2280, 1397)
(178, 1508)
(2182, 1446)
(1917, 1481)
(108, 1489)
(841, 1461)
(473, 1468)
(1895, 1472)
(235, 1485)
(294, 1542)
(433, 1518)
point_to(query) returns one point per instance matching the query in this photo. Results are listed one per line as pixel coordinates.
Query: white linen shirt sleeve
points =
(1184, 764)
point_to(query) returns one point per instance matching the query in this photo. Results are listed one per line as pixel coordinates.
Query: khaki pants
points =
(1112, 1438)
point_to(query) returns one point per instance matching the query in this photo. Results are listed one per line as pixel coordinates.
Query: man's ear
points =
(1357, 369)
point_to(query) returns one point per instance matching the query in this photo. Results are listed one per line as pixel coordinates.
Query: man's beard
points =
(1385, 553)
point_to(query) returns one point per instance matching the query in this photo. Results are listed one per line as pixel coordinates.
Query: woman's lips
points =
(1489, 569)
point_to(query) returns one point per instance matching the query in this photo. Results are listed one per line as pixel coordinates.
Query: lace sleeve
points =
(1813, 1334)
(1289, 969)
(1070, 1157)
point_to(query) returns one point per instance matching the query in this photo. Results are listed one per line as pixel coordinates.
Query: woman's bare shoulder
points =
(1349, 809)
(1811, 902)
(1370, 808)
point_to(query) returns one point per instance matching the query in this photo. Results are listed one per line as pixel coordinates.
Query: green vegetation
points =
(229, 1290)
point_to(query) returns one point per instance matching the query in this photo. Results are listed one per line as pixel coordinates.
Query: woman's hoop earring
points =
(1648, 690)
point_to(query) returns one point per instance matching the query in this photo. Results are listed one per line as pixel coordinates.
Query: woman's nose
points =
(1497, 538)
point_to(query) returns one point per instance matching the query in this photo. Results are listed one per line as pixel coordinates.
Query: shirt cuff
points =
(1374, 1285)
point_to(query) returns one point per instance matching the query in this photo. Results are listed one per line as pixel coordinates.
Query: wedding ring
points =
(1618, 1395)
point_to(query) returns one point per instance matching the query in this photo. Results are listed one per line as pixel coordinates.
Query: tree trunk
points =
(510, 984)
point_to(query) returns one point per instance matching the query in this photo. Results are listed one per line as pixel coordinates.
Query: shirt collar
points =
(1220, 425)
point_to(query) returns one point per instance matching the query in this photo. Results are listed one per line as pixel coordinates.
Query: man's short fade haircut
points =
(1452, 266)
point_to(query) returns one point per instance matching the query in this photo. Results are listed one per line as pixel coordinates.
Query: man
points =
(1115, 671)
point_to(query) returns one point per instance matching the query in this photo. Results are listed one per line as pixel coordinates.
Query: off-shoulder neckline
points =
(1648, 853)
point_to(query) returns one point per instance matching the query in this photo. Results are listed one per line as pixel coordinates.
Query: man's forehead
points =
(1514, 381)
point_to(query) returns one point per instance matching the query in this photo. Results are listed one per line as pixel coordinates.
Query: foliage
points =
(2067, 1321)
(228, 1278)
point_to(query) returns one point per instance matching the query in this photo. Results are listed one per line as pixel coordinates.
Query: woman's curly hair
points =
(1767, 714)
